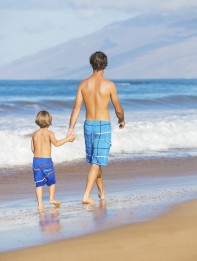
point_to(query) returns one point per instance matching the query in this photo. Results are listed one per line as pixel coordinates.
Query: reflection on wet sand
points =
(135, 201)
(99, 212)
(49, 222)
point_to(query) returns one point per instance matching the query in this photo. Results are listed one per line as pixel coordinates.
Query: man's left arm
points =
(117, 106)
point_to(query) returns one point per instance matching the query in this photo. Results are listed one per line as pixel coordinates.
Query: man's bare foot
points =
(88, 200)
(101, 196)
(40, 207)
(55, 203)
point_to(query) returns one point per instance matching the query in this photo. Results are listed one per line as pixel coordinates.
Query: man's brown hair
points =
(98, 61)
(43, 119)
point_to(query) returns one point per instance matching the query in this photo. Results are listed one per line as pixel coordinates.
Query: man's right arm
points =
(76, 110)
(117, 106)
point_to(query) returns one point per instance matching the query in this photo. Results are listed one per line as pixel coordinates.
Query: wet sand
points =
(171, 237)
(168, 237)
(18, 182)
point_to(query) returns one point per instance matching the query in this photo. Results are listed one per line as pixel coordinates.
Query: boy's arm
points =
(117, 106)
(76, 110)
(32, 145)
(58, 143)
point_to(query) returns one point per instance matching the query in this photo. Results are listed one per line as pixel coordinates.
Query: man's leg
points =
(39, 198)
(91, 179)
(99, 183)
(51, 196)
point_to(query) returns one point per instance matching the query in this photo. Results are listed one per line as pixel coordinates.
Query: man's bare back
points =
(96, 93)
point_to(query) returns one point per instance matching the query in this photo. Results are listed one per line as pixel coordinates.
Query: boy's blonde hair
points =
(43, 119)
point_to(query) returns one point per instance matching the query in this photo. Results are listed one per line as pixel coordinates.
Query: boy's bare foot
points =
(55, 203)
(88, 200)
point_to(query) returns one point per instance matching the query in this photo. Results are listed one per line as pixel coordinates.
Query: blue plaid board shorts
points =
(43, 171)
(97, 136)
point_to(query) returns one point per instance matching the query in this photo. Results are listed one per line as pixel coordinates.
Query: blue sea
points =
(161, 119)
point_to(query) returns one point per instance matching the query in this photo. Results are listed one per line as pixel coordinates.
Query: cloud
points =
(3, 36)
(33, 4)
(135, 5)
(89, 13)
(42, 27)
(95, 6)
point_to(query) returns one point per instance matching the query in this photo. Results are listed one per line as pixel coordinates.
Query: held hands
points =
(71, 135)
(121, 124)
(70, 132)
(71, 138)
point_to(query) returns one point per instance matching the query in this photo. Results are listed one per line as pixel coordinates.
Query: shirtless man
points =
(96, 92)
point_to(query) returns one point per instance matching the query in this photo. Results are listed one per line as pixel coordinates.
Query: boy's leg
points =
(39, 198)
(100, 186)
(92, 177)
(52, 194)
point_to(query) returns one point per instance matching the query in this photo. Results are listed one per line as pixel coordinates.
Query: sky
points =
(30, 26)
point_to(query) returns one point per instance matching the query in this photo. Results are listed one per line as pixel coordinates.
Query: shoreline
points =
(75, 173)
(136, 191)
(170, 236)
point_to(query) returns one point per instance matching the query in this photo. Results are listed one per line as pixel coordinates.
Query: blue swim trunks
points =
(43, 171)
(97, 141)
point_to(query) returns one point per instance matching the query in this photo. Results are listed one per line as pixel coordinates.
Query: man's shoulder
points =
(109, 83)
(105, 82)
(83, 82)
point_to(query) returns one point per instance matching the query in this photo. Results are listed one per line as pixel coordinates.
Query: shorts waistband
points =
(96, 122)
(42, 158)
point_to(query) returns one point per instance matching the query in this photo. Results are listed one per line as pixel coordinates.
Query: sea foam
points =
(138, 136)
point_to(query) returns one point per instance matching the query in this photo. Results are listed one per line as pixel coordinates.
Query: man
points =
(96, 92)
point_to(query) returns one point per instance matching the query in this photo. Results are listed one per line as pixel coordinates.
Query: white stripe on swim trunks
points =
(39, 180)
(103, 132)
(97, 156)
(99, 132)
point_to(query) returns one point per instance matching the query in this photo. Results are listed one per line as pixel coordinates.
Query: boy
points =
(42, 163)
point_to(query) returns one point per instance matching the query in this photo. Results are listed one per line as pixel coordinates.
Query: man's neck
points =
(98, 73)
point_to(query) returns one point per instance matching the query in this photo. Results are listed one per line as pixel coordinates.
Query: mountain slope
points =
(146, 46)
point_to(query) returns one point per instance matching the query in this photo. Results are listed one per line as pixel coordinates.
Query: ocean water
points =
(161, 119)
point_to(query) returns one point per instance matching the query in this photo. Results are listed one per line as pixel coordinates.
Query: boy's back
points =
(42, 143)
